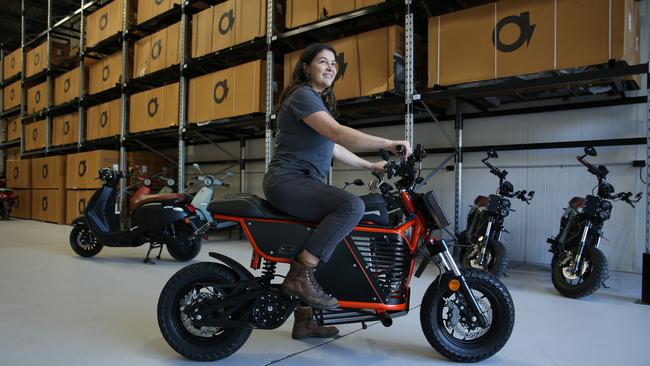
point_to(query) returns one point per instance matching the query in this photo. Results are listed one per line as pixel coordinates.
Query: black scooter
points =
(578, 267)
(167, 219)
(481, 241)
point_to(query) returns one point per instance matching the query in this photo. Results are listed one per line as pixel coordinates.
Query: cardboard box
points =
(232, 92)
(104, 120)
(227, 24)
(14, 128)
(514, 37)
(76, 202)
(365, 62)
(48, 205)
(105, 73)
(36, 58)
(37, 98)
(150, 9)
(11, 95)
(66, 86)
(65, 129)
(23, 205)
(301, 12)
(49, 172)
(157, 51)
(154, 109)
(107, 21)
(35, 135)
(82, 168)
(19, 173)
(12, 63)
(13, 153)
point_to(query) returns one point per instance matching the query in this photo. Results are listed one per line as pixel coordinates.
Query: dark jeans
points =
(303, 195)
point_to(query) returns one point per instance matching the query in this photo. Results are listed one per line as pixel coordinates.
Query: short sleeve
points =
(304, 102)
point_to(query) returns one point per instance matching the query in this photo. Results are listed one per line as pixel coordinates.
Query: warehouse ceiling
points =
(35, 19)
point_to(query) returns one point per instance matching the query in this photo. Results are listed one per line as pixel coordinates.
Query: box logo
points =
(103, 21)
(35, 134)
(106, 72)
(152, 110)
(37, 59)
(66, 85)
(66, 127)
(81, 168)
(44, 203)
(13, 62)
(156, 49)
(223, 84)
(230, 17)
(16, 172)
(12, 94)
(525, 32)
(44, 171)
(81, 206)
(103, 119)
(37, 97)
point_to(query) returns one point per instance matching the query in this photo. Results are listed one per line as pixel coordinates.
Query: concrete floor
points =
(60, 309)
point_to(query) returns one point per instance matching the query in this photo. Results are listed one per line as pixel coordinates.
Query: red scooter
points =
(207, 310)
(7, 199)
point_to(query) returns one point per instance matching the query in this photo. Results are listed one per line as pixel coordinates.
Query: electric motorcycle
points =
(480, 243)
(155, 219)
(579, 267)
(7, 199)
(207, 310)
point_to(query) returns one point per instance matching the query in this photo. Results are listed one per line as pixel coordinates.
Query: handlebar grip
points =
(384, 154)
(399, 148)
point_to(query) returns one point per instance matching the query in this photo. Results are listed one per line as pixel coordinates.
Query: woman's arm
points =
(328, 127)
(347, 157)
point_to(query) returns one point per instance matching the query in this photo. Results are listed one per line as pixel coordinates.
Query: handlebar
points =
(625, 197)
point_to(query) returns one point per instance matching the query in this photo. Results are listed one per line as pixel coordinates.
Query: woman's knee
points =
(357, 208)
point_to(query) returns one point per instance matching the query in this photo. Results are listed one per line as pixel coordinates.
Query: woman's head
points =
(317, 68)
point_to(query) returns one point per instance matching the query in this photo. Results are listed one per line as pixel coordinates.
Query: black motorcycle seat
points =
(247, 205)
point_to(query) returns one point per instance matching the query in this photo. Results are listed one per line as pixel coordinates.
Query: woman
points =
(307, 140)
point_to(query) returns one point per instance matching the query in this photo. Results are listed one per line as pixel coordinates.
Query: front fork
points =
(441, 251)
(486, 240)
(581, 247)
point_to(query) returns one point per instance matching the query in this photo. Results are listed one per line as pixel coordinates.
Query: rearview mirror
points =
(589, 150)
(492, 154)
(358, 182)
(197, 167)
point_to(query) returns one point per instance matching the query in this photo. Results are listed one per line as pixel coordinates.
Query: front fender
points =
(78, 220)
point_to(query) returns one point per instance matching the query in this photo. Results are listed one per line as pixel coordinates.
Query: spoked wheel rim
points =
(198, 297)
(457, 327)
(86, 240)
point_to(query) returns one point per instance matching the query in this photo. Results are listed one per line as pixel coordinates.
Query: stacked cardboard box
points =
(19, 179)
(11, 95)
(65, 129)
(23, 205)
(36, 58)
(154, 109)
(514, 37)
(76, 202)
(66, 86)
(82, 168)
(103, 120)
(150, 9)
(157, 51)
(35, 135)
(37, 97)
(366, 62)
(13, 128)
(12, 63)
(107, 21)
(106, 73)
(301, 12)
(227, 24)
(48, 189)
(232, 92)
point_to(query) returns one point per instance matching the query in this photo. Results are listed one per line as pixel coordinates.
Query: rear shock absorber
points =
(268, 270)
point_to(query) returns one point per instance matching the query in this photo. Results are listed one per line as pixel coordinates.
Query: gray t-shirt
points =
(298, 146)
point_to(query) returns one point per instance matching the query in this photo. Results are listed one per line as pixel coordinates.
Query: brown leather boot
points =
(300, 282)
(304, 325)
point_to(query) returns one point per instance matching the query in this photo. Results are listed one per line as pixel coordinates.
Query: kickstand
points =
(152, 246)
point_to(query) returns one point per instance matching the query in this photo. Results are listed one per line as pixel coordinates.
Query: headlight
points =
(604, 215)
(504, 212)
(606, 205)
(505, 203)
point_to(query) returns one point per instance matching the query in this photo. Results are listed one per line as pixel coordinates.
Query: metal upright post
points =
(123, 125)
(408, 77)
(48, 85)
(458, 164)
(268, 118)
(182, 95)
(22, 77)
(82, 76)
(645, 283)
(242, 165)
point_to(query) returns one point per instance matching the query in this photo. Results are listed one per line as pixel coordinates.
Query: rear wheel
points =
(180, 244)
(83, 242)
(189, 294)
(591, 274)
(496, 258)
(454, 332)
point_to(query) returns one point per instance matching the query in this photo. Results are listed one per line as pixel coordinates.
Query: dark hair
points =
(299, 77)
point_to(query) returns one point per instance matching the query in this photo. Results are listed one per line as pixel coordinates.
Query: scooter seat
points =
(5, 190)
(150, 198)
(577, 202)
(247, 205)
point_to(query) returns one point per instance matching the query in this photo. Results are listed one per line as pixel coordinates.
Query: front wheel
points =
(591, 274)
(454, 332)
(180, 244)
(193, 291)
(496, 258)
(83, 242)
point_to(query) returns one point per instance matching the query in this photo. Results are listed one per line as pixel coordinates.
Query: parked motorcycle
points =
(7, 199)
(579, 267)
(207, 310)
(481, 245)
(155, 219)
(203, 197)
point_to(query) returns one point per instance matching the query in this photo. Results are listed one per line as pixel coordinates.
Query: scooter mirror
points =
(358, 182)
(229, 174)
(197, 167)
(492, 154)
(531, 194)
(589, 150)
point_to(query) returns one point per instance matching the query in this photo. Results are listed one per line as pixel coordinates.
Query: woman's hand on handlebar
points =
(393, 147)
(379, 166)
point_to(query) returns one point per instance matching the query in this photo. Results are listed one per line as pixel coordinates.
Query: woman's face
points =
(321, 71)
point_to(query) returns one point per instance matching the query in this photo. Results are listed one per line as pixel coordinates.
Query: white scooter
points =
(204, 196)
